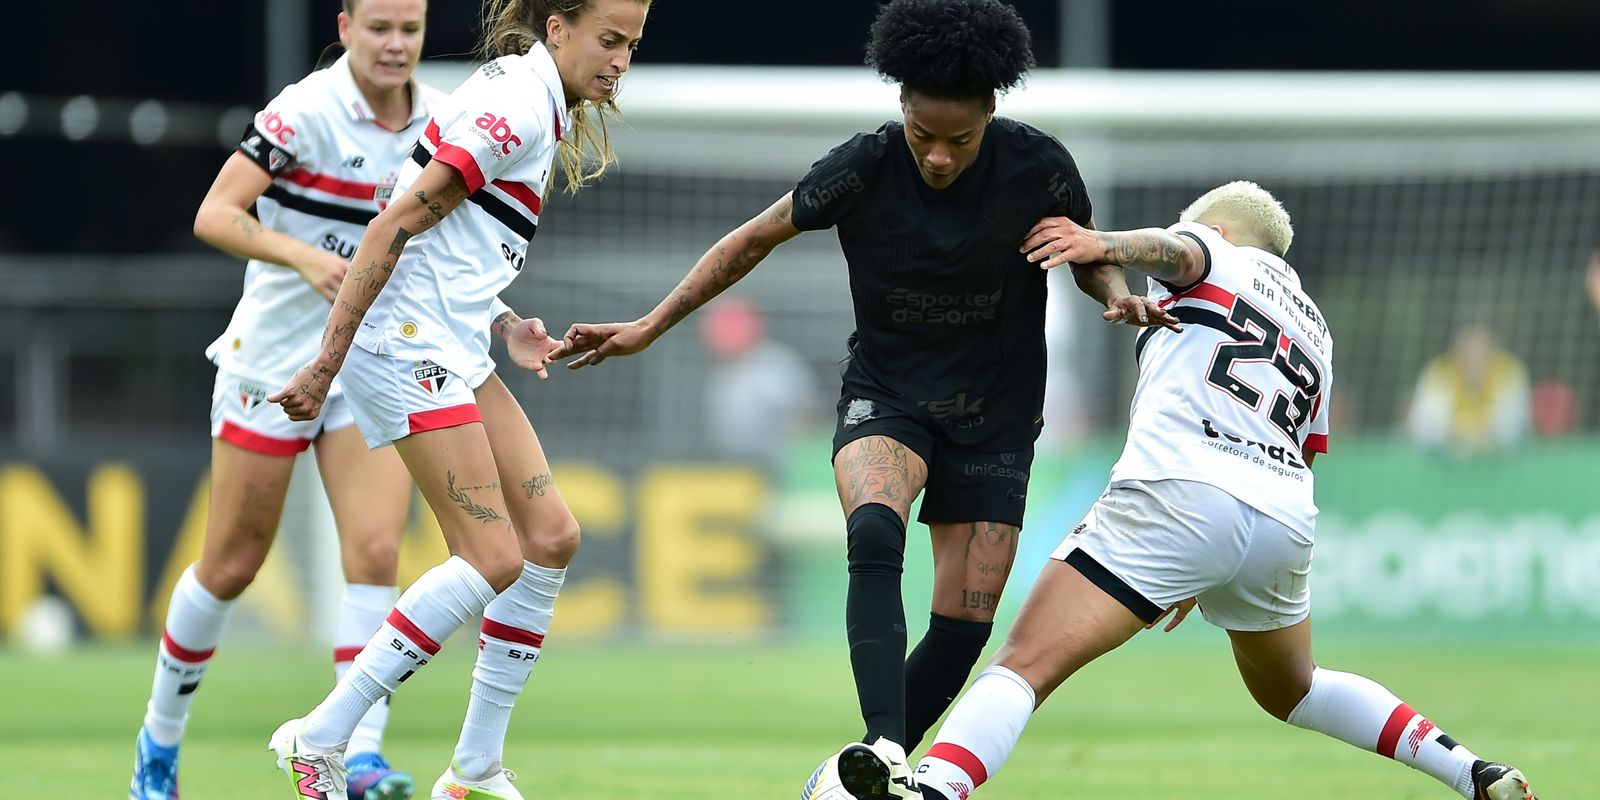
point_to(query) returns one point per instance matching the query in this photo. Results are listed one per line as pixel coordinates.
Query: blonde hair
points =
(1250, 214)
(510, 27)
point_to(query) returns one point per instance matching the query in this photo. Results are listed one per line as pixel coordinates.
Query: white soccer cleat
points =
(317, 773)
(863, 772)
(1494, 781)
(452, 785)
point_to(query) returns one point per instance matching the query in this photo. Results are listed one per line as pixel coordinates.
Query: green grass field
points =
(1164, 718)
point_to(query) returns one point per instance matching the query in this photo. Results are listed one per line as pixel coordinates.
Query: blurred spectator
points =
(760, 393)
(1472, 399)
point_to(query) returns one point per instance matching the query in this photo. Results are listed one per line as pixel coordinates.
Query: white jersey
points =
(499, 129)
(1237, 398)
(332, 168)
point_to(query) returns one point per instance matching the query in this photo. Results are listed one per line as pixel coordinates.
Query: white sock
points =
(195, 618)
(979, 734)
(443, 599)
(514, 626)
(362, 609)
(1360, 712)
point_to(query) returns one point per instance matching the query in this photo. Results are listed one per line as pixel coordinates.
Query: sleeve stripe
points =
(1316, 443)
(455, 157)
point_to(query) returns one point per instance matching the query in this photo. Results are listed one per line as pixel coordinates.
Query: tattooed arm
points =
(224, 222)
(722, 266)
(1174, 259)
(503, 319)
(434, 194)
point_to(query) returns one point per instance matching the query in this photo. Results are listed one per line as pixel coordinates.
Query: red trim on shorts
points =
(182, 653)
(1316, 443)
(259, 443)
(464, 414)
(507, 633)
(331, 185)
(344, 655)
(1390, 738)
(455, 157)
(409, 629)
(962, 758)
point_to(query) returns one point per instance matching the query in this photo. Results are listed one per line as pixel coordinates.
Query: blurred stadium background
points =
(1427, 203)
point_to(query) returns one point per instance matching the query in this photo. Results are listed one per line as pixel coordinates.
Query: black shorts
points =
(965, 483)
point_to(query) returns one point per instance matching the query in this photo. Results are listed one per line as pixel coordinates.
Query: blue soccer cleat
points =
(371, 778)
(155, 770)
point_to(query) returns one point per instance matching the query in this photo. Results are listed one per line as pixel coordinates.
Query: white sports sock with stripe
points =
(514, 627)
(1360, 712)
(195, 618)
(362, 609)
(979, 734)
(441, 601)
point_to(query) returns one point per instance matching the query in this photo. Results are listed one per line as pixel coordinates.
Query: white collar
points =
(355, 103)
(544, 65)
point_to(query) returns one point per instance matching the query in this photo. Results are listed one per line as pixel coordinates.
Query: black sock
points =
(875, 619)
(938, 668)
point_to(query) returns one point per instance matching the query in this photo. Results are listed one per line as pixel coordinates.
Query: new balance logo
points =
(1415, 740)
(961, 790)
(355, 162)
(307, 783)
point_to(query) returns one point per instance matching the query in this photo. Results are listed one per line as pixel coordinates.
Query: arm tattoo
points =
(1157, 253)
(248, 224)
(503, 324)
(435, 209)
(537, 485)
(781, 211)
(480, 513)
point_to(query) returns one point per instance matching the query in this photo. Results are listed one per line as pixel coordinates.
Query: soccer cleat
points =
(317, 773)
(370, 778)
(863, 772)
(1491, 781)
(452, 785)
(155, 770)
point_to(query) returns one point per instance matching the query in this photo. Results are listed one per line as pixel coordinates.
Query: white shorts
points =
(1150, 544)
(392, 398)
(241, 416)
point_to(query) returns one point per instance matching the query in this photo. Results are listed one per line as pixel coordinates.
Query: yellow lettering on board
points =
(696, 552)
(99, 570)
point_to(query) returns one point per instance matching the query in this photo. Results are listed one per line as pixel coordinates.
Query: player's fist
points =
(325, 272)
(1054, 241)
(531, 347)
(303, 395)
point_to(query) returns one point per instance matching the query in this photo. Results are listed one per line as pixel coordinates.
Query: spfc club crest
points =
(429, 375)
(251, 395)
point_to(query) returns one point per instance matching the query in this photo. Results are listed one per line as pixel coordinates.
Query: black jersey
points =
(949, 314)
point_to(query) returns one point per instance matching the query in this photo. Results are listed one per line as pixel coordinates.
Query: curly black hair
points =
(950, 49)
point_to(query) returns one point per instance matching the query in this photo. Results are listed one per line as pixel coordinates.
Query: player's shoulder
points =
(1020, 137)
(867, 147)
